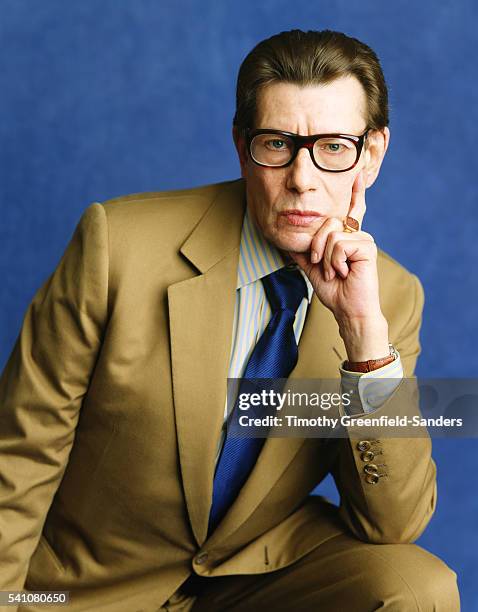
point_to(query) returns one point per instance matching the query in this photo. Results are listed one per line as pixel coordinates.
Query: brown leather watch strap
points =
(368, 366)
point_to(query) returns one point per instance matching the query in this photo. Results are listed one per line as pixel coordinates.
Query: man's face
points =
(290, 204)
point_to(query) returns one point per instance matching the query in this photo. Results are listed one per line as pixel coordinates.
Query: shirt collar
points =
(258, 257)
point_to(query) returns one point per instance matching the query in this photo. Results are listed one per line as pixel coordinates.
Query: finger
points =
(361, 236)
(332, 240)
(357, 201)
(319, 241)
(338, 261)
(303, 261)
(341, 247)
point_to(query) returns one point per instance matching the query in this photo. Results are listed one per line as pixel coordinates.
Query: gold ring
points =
(351, 225)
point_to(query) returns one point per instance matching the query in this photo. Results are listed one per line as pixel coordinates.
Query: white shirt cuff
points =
(369, 390)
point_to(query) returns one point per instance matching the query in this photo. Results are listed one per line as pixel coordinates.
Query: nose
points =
(303, 175)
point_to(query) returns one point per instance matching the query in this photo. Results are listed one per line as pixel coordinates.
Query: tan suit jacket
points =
(111, 407)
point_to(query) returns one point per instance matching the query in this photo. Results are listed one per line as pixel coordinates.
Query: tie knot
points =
(285, 289)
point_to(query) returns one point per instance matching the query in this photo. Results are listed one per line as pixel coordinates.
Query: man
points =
(119, 481)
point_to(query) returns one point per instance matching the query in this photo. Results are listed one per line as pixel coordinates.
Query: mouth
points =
(300, 218)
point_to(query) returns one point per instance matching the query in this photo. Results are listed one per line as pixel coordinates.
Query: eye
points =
(333, 147)
(276, 144)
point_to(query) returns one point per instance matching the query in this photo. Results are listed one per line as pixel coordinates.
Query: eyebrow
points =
(329, 133)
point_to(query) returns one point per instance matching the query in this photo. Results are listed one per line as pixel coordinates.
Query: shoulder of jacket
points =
(153, 200)
(150, 225)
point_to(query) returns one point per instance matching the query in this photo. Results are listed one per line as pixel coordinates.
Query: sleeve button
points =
(364, 445)
(372, 478)
(370, 468)
(201, 558)
(367, 456)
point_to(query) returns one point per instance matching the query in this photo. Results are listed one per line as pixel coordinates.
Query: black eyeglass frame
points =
(308, 142)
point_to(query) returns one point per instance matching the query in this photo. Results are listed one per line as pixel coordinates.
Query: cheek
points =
(272, 185)
(264, 185)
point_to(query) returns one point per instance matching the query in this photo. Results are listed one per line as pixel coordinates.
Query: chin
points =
(293, 242)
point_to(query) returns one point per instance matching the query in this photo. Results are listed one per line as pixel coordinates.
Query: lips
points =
(301, 218)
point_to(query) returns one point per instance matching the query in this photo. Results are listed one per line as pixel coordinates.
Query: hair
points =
(310, 58)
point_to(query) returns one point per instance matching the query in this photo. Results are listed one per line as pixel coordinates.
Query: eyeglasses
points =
(329, 152)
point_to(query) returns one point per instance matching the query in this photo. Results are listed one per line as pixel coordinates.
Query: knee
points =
(414, 579)
(436, 586)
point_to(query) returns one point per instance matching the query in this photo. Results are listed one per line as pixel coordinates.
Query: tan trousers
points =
(342, 575)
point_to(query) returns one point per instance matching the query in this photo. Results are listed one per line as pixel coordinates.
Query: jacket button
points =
(370, 468)
(372, 478)
(364, 445)
(367, 456)
(201, 558)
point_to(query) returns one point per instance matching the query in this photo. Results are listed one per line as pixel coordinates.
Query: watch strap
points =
(371, 364)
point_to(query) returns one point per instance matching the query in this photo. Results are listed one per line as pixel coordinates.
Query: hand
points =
(342, 268)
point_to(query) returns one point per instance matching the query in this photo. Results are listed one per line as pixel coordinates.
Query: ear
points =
(377, 145)
(240, 142)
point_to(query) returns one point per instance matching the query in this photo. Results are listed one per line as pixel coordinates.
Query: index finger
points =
(357, 202)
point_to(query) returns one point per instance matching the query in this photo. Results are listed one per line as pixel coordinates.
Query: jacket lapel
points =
(201, 311)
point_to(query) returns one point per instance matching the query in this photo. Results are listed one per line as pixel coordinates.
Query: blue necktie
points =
(274, 356)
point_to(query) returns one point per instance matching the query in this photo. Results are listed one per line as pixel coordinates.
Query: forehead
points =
(338, 106)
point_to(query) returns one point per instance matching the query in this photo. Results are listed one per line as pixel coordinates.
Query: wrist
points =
(371, 364)
(365, 338)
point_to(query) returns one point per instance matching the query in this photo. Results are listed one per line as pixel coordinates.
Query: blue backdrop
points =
(100, 99)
